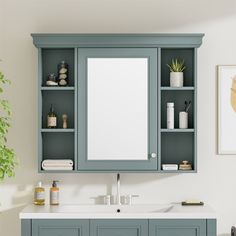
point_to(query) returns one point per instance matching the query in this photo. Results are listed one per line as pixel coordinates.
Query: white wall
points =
(215, 183)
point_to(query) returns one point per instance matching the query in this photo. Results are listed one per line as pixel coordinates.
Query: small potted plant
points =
(176, 72)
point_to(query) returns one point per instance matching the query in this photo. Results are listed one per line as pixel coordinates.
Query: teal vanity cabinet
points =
(60, 227)
(121, 227)
(116, 98)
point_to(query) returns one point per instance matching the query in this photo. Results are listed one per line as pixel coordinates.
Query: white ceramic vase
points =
(176, 79)
(183, 120)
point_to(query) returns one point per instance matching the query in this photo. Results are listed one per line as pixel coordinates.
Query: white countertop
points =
(174, 211)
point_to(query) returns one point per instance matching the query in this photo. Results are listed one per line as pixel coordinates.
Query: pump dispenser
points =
(54, 193)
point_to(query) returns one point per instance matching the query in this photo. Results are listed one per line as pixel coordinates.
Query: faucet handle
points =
(129, 198)
(107, 199)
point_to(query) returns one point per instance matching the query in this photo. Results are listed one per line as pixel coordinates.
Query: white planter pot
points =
(176, 79)
(183, 120)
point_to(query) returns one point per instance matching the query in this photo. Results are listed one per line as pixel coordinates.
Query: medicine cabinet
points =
(116, 101)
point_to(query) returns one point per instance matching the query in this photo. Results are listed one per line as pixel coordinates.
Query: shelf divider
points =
(45, 88)
(57, 130)
(176, 130)
(176, 89)
(177, 171)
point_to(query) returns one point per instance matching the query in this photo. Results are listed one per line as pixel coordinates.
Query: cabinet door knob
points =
(153, 155)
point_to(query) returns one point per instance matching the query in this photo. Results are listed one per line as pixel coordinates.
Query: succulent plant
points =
(176, 65)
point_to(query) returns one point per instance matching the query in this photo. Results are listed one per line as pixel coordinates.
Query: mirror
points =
(117, 108)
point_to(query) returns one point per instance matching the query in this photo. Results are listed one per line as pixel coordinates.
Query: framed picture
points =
(227, 109)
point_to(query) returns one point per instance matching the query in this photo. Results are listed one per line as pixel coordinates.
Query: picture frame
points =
(226, 109)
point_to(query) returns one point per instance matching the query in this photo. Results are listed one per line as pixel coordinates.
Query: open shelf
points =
(51, 57)
(57, 146)
(177, 147)
(186, 54)
(177, 144)
(63, 103)
(178, 99)
(57, 143)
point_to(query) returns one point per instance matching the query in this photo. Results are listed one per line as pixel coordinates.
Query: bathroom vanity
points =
(115, 100)
(135, 220)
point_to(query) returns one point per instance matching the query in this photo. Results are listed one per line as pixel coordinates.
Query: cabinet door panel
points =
(119, 228)
(177, 227)
(51, 231)
(60, 227)
(126, 148)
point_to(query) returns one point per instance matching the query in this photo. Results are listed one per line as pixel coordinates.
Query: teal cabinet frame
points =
(183, 227)
(118, 227)
(60, 227)
(167, 142)
(26, 227)
(151, 55)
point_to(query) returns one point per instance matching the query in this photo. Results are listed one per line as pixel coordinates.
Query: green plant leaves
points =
(7, 155)
(7, 162)
(3, 80)
(177, 65)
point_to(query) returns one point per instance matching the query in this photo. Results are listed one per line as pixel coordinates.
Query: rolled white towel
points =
(57, 163)
(57, 167)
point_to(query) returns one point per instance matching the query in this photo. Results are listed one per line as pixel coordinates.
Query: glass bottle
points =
(39, 195)
(51, 118)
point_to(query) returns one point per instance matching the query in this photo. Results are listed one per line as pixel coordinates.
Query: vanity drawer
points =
(183, 227)
(118, 227)
(60, 227)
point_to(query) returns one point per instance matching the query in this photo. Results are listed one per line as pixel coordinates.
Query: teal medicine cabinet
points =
(115, 100)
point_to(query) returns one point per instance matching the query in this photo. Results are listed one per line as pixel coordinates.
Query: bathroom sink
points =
(111, 209)
(145, 211)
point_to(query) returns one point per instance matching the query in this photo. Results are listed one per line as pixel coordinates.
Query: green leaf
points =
(8, 160)
(176, 65)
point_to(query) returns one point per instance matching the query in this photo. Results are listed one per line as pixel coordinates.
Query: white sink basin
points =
(107, 209)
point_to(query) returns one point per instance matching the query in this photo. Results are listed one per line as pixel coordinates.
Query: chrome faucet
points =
(118, 202)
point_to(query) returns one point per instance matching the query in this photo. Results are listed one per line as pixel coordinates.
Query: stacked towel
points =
(58, 164)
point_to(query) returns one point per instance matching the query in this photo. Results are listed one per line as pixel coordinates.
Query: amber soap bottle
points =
(54, 193)
(39, 195)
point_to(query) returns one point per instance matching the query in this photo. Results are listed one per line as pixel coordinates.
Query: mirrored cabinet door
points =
(117, 109)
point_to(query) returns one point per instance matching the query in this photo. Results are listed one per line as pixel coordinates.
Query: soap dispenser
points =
(54, 193)
(39, 194)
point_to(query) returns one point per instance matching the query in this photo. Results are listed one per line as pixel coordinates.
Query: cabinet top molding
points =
(117, 40)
